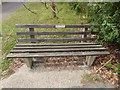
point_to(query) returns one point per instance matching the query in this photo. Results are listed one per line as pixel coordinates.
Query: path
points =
(10, 7)
(41, 77)
(44, 78)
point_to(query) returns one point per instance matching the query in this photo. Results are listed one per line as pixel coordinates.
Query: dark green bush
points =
(108, 16)
(79, 7)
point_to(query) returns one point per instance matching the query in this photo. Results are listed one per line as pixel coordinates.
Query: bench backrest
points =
(32, 33)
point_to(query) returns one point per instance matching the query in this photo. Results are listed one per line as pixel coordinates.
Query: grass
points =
(0, 43)
(91, 79)
(43, 16)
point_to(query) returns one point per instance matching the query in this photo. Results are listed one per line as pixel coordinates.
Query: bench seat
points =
(56, 54)
(65, 49)
(31, 48)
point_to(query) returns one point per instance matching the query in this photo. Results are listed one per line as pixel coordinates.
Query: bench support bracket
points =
(90, 60)
(29, 62)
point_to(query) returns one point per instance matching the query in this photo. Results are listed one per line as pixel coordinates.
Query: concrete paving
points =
(99, 85)
(44, 78)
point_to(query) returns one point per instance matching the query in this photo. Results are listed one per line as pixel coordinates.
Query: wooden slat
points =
(55, 33)
(53, 26)
(59, 47)
(56, 50)
(52, 44)
(55, 39)
(33, 26)
(82, 26)
(35, 55)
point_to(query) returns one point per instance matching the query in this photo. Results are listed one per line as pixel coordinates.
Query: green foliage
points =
(115, 67)
(108, 65)
(107, 15)
(5, 64)
(76, 6)
(91, 78)
(79, 7)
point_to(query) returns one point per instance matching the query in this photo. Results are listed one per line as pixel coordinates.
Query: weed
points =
(91, 78)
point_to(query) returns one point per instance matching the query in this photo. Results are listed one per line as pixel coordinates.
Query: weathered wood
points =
(85, 35)
(32, 31)
(59, 47)
(82, 26)
(37, 50)
(55, 33)
(58, 54)
(53, 26)
(56, 50)
(55, 39)
(90, 60)
(52, 44)
(29, 62)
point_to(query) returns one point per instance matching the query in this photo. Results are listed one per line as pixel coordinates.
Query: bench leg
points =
(90, 60)
(29, 62)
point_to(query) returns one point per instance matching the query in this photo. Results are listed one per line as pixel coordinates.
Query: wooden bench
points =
(35, 49)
